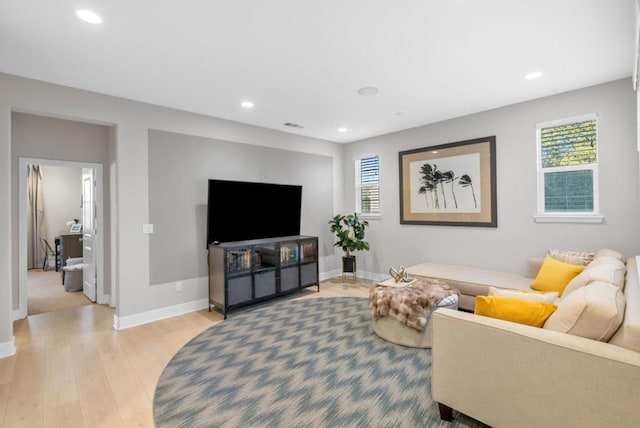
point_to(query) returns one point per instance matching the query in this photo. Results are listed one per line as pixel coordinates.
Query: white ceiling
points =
(303, 61)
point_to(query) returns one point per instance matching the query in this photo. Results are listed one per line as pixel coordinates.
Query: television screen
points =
(241, 210)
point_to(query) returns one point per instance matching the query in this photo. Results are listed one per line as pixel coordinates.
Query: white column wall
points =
(6, 309)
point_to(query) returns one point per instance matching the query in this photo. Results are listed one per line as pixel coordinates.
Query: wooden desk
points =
(70, 246)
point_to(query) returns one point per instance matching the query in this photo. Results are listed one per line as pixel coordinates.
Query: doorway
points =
(95, 275)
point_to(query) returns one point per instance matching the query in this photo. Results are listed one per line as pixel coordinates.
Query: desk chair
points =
(48, 252)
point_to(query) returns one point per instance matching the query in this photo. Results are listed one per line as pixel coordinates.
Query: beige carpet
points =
(46, 293)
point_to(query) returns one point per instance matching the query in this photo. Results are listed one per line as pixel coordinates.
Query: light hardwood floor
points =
(46, 293)
(73, 370)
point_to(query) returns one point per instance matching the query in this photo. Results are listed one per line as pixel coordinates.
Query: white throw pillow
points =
(603, 260)
(594, 311)
(532, 296)
(610, 273)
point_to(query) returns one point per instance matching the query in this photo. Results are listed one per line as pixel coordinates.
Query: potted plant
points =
(349, 231)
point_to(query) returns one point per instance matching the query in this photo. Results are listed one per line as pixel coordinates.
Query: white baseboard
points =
(18, 315)
(331, 274)
(103, 299)
(360, 274)
(121, 323)
(8, 349)
(372, 276)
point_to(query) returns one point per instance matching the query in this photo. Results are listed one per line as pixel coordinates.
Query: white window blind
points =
(368, 185)
(568, 167)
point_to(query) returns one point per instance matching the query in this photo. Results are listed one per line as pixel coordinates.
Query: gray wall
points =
(179, 167)
(62, 193)
(507, 247)
(34, 136)
(517, 236)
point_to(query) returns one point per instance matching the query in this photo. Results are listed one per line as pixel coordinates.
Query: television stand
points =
(242, 273)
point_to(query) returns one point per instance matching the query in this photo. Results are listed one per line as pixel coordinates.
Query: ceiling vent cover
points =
(293, 125)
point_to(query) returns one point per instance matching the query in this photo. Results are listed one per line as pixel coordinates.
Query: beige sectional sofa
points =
(472, 282)
(507, 374)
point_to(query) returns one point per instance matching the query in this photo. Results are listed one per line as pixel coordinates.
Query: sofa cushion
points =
(604, 272)
(532, 296)
(470, 281)
(594, 311)
(515, 310)
(606, 252)
(554, 275)
(573, 257)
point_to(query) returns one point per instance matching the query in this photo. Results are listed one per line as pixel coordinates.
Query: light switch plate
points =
(147, 228)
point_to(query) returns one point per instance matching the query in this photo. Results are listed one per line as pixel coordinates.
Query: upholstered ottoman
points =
(73, 277)
(390, 329)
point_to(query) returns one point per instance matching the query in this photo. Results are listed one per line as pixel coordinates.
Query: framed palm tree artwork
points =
(450, 184)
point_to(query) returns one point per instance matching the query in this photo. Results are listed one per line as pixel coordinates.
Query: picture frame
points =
(450, 184)
(75, 228)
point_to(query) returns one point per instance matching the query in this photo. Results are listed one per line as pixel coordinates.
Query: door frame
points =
(22, 227)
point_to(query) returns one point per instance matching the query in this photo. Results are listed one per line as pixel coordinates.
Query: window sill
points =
(370, 216)
(587, 218)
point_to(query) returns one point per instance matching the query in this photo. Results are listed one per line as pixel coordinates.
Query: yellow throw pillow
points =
(554, 275)
(515, 310)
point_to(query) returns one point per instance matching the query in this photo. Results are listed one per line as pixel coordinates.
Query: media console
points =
(242, 273)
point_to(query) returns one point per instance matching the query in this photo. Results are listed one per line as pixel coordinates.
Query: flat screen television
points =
(242, 210)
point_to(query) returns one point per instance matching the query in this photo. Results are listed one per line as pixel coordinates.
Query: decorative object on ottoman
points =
(390, 282)
(349, 230)
(400, 274)
(401, 314)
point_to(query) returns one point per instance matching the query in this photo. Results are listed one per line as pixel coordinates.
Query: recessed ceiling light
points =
(293, 125)
(367, 91)
(247, 104)
(88, 16)
(343, 129)
(434, 151)
(533, 75)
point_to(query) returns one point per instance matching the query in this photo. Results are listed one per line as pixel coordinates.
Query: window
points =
(568, 170)
(368, 185)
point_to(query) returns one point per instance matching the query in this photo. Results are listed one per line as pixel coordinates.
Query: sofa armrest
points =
(535, 263)
(506, 374)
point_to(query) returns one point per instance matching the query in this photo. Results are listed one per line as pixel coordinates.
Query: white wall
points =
(132, 120)
(517, 237)
(62, 190)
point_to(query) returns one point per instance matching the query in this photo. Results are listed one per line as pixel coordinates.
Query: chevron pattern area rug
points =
(312, 362)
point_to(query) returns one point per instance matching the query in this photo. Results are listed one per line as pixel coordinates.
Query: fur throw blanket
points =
(411, 305)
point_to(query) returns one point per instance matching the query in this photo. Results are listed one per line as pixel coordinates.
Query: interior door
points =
(89, 238)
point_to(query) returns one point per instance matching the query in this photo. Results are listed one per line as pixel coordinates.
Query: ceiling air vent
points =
(293, 125)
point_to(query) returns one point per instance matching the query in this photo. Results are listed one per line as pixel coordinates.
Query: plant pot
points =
(349, 264)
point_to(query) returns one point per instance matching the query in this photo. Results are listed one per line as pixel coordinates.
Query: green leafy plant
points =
(349, 231)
